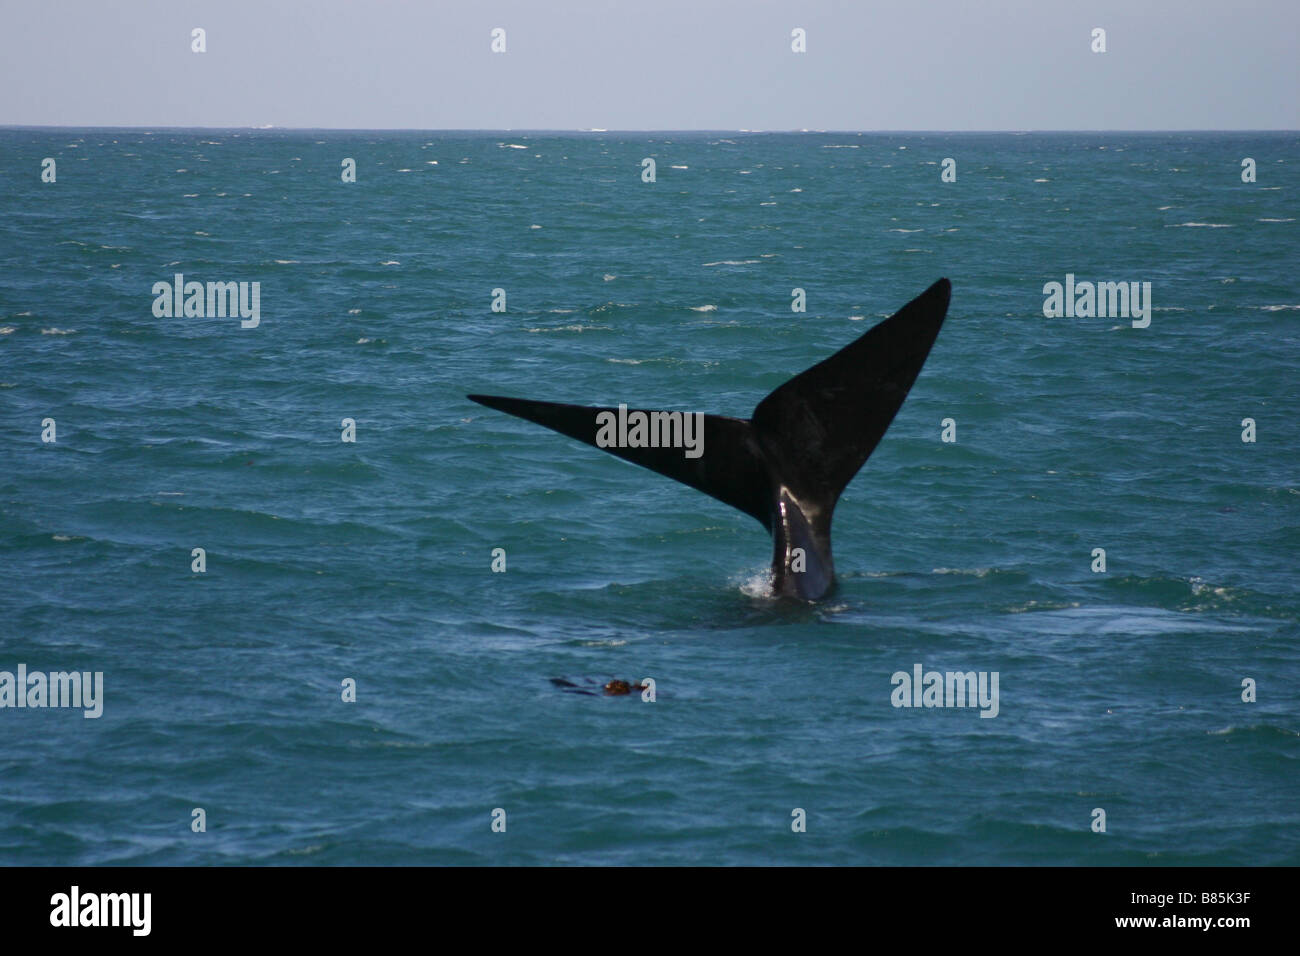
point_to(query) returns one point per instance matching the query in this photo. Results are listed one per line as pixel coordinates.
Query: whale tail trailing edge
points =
(730, 469)
(788, 463)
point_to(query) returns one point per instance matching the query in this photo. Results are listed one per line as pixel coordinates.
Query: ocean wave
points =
(571, 328)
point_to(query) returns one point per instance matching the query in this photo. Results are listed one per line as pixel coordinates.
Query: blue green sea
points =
(327, 561)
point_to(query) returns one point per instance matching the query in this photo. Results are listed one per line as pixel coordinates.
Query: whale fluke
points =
(788, 463)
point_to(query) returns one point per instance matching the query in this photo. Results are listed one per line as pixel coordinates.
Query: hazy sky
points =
(662, 64)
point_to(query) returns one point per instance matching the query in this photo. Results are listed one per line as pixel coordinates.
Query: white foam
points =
(757, 584)
(570, 328)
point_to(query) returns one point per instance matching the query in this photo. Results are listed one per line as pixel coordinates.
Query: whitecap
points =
(570, 328)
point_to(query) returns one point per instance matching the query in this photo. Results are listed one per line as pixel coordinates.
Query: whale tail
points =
(787, 464)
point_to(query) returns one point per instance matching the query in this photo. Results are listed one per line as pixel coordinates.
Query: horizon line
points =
(630, 129)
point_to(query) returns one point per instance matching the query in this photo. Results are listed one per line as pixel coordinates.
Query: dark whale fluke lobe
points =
(787, 464)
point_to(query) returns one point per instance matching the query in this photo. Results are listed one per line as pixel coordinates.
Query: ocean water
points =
(328, 560)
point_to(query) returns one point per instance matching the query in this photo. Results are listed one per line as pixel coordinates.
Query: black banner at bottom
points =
(598, 906)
